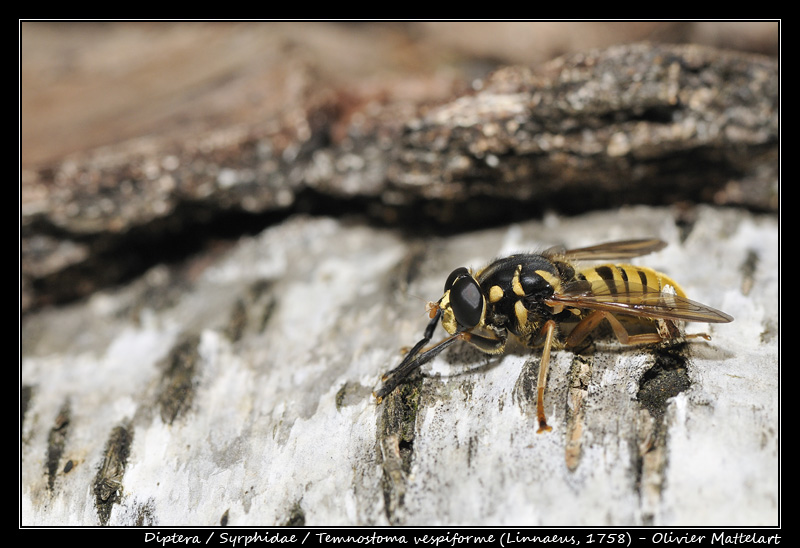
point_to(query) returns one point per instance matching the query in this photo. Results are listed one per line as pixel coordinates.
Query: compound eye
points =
(457, 273)
(466, 301)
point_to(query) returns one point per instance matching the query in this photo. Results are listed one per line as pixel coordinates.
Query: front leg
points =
(413, 361)
(409, 358)
(486, 344)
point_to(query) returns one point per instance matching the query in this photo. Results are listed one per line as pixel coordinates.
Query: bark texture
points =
(245, 395)
(207, 307)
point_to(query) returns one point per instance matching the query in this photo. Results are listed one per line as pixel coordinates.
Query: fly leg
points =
(590, 323)
(411, 354)
(544, 366)
(485, 344)
(414, 359)
(409, 362)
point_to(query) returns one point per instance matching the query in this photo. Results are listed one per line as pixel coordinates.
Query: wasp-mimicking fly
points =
(546, 300)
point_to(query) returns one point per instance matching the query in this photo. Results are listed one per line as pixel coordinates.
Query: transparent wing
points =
(609, 251)
(635, 300)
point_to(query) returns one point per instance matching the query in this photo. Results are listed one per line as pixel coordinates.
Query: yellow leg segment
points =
(544, 367)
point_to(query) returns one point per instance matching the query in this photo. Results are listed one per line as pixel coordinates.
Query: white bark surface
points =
(264, 415)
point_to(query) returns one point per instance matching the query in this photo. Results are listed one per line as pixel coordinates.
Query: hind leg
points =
(590, 323)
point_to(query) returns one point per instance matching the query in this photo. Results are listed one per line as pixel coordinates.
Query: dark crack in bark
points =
(56, 442)
(108, 481)
(666, 379)
(396, 432)
(177, 382)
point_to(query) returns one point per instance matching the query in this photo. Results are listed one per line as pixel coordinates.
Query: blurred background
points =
(141, 142)
(84, 85)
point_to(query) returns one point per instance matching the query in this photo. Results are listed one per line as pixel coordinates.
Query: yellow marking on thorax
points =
(521, 312)
(495, 293)
(554, 281)
(515, 285)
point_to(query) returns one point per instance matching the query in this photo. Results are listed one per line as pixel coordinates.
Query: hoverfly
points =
(538, 297)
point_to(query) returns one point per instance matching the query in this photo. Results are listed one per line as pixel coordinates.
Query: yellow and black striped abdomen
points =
(621, 279)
